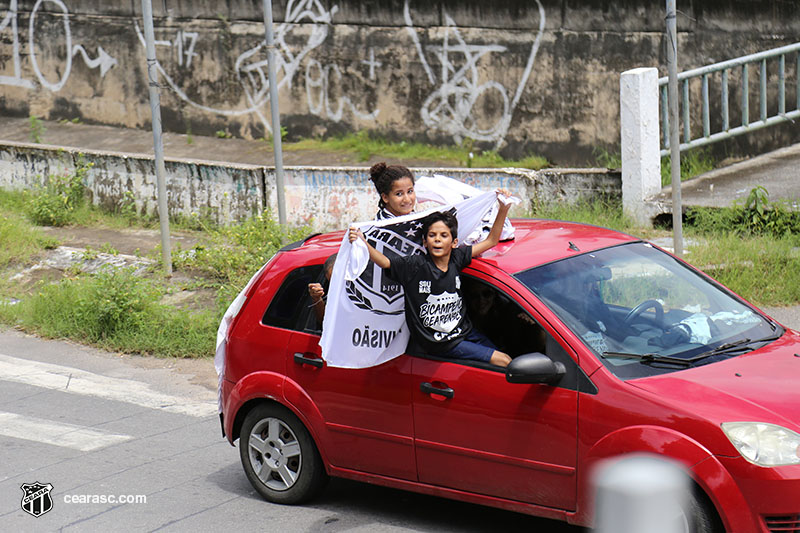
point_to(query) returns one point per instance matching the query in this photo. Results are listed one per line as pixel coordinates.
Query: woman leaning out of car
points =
(395, 185)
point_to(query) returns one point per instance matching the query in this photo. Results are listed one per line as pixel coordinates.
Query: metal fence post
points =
(158, 147)
(274, 111)
(675, 148)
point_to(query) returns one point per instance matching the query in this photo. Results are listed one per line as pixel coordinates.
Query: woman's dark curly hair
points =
(383, 176)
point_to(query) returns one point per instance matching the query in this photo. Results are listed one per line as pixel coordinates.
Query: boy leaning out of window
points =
(434, 303)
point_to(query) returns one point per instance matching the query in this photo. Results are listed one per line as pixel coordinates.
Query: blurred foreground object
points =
(641, 493)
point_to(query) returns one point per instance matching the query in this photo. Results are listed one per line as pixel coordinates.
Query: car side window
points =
(289, 308)
(514, 331)
(502, 320)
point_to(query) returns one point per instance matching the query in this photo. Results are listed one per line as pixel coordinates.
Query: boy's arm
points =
(494, 235)
(374, 255)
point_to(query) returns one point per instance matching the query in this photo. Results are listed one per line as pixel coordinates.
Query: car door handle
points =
(303, 359)
(429, 388)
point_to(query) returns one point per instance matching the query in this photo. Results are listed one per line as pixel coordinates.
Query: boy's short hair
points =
(437, 216)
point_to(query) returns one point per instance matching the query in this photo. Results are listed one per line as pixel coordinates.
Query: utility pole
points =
(158, 146)
(674, 141)
(274, 112)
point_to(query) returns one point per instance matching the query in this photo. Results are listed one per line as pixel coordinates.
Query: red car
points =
(617, 347)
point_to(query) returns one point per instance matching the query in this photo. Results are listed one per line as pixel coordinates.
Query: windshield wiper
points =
(650, 358)
(733, 347)
(724, 349)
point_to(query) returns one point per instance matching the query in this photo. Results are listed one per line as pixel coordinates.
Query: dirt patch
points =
(80, 250)
(131, 241)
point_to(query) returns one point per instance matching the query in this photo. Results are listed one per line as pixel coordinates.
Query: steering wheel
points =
(644, 306)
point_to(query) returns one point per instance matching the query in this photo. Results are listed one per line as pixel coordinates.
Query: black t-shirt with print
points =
(434, 306)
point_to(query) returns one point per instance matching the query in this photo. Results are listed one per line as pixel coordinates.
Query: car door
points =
(366, 412)
(476, 432)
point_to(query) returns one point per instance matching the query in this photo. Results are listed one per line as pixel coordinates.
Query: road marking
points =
(76, 381)
(56, 433)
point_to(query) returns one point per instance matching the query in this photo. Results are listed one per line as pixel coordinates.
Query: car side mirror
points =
(534, 368)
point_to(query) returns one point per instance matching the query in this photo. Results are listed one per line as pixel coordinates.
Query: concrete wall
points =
(323, 197)
(524, 76)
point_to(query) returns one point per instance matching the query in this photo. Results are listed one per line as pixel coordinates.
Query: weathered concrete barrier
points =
(322, 197)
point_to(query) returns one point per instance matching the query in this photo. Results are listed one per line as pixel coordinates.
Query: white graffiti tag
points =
(306, 27)
(103, 61)
(450, 107)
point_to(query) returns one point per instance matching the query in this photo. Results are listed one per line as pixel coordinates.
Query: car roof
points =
(536, 242)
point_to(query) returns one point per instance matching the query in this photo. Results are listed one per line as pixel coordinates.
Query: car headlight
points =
(764, 444)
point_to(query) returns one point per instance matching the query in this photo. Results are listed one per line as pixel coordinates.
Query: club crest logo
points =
(36, 500)
(373, 290)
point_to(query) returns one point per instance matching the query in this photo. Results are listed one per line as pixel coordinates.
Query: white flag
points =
(364, 321)
(444, 190)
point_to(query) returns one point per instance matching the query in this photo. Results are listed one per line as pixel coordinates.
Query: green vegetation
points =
(284, 132)
(20, 241)
(37, 128)
(366, 146)
(234, 253)
(693, 163)
(118, 308)
(606, 213)
(752, 248)
(756, 216)
(764, 270)
(115, 309)
(55, 204)
(605, 159)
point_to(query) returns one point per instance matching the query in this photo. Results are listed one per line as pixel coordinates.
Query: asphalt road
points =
(134, 444)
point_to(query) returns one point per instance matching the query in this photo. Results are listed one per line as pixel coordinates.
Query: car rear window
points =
(289, 307)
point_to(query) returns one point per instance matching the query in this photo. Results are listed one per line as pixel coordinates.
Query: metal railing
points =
(725, 68)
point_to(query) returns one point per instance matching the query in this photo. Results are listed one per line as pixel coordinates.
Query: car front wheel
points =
(697, 516)
(279, 457)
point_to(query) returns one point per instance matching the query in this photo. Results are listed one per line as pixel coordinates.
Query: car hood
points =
(761, 386)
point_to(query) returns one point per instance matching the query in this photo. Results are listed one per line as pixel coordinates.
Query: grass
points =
(606, 213)
(20, 240)
(118, 309)
(756, 256)
(764, 270)
(366, 146)
(693, 163)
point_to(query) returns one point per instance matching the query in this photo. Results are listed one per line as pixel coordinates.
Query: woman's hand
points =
(356, 233)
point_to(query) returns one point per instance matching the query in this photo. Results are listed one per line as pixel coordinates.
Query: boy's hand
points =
(356, 233)
(503, 192)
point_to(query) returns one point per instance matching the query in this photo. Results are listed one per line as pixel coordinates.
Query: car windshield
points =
(643, 312)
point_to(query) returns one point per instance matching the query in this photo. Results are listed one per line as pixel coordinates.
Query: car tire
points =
(279, 456)
(701, 516)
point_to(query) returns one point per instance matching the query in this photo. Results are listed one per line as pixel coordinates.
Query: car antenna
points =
(573, 247)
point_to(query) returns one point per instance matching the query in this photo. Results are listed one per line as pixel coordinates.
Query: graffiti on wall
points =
(463, 100)
(451, 106)
(251, 66)
(103, 61)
